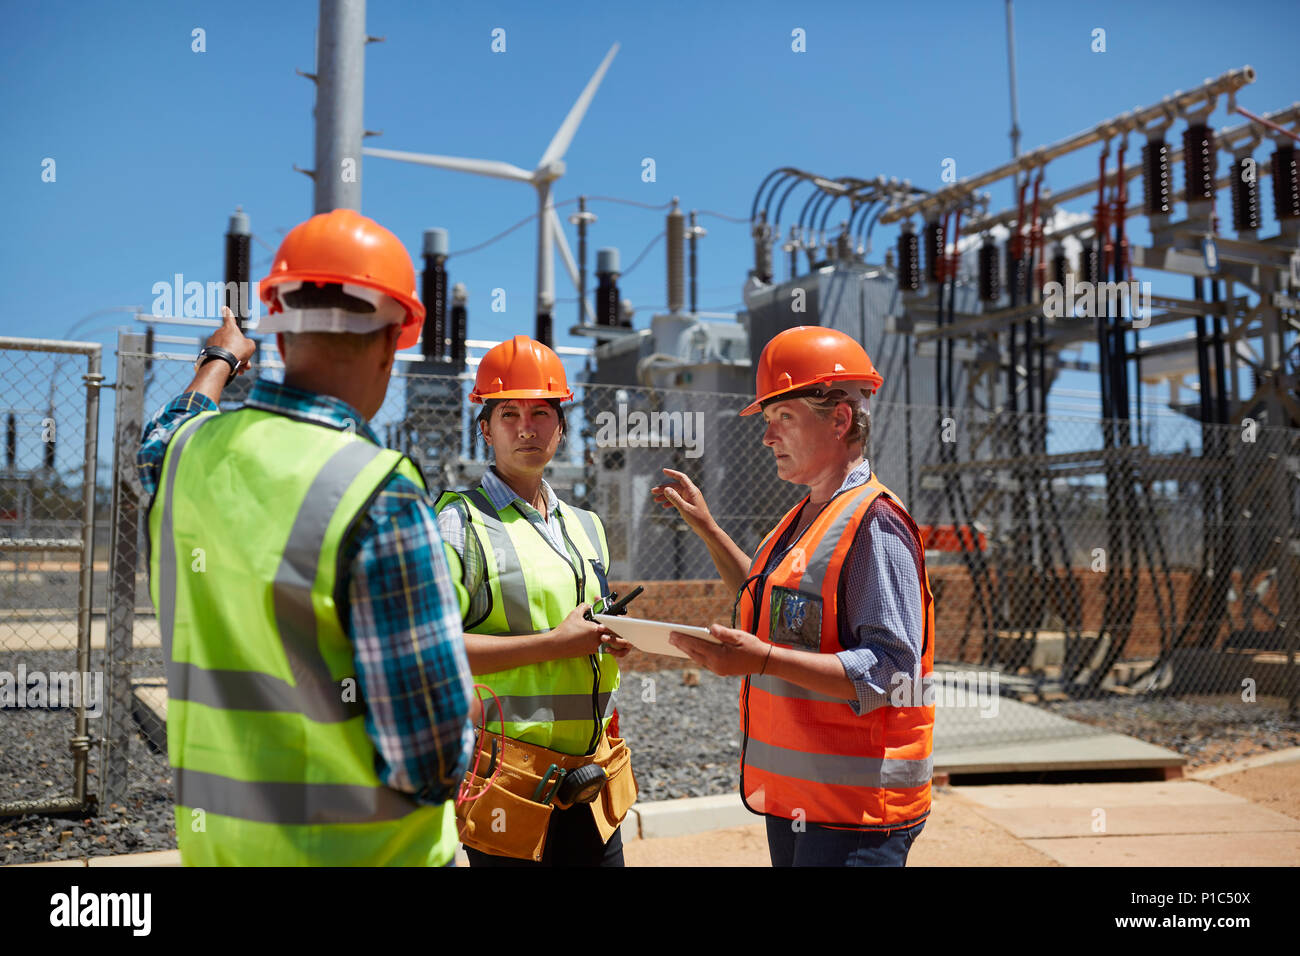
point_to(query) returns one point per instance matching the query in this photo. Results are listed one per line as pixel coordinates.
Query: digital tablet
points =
(652, 636)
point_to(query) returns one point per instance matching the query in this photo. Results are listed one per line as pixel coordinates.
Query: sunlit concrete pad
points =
(1170, 793)
(155, 858)
(1101, 820)
(1184, 849)
(1018, 737)
(672, 818)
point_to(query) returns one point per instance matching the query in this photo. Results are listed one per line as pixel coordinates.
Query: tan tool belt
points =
(506, 821)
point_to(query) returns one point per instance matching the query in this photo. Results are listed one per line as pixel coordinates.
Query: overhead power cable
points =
(637, 261)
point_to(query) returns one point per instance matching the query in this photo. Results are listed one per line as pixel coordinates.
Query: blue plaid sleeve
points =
(409, 649)
(884, 609)
(158, 432)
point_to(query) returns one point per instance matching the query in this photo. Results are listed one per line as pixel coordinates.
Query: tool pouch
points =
(504, 819)
(620, 791)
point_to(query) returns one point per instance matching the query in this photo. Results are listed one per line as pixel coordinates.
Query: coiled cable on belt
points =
(463, 794)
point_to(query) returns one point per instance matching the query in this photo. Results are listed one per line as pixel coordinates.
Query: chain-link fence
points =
(1073, 558)
(51, 688)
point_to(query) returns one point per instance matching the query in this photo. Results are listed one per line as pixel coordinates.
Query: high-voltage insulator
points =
(935, 241)
(676, 259)
(1245, 196)
(433, 292)
(459, 323)
(1089, 265)
(844, 245)
(990, 280)
(909, 259)
(1060, 264)
(1156, 178)
(239, 262)
(1017, 269)
(607, 273)
(1286, 183)
(1198, 161)
(762, 234)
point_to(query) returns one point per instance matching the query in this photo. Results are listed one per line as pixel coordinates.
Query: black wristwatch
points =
(210, 352)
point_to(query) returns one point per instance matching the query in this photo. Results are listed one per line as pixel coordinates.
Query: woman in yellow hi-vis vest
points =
(551, 786)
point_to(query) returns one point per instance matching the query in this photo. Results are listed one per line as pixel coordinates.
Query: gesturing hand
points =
(682, 494)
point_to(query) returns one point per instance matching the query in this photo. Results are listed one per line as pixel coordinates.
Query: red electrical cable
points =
(1121, 214)
(463, 794)
(1101, 224)
(1036, 236)
(1017, 239)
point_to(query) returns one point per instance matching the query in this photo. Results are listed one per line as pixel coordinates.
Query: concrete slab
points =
(1004, 736)
(76, 863)
(149, 709)
(1216, 849)
(1172, 793)
(1289, 755)
(1038, 822)
(155, 858)
(674, 818)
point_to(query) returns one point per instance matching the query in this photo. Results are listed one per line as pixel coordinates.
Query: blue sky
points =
(156, 144)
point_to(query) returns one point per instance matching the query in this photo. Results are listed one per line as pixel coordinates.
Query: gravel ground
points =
(34, 763)
(683, 728)
(685, 740)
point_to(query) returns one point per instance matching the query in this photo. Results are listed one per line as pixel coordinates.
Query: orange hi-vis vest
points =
(809, 757)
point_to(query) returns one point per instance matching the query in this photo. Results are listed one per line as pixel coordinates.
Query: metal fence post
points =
(128, 420)
(80, 743)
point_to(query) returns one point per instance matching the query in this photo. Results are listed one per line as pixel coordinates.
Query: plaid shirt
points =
(883, 621)
(397, 603)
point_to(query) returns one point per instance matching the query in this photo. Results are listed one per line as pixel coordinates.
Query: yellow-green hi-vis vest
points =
(559, 704)
(266, 734)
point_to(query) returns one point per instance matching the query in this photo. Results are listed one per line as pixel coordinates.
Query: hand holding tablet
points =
(652, 636)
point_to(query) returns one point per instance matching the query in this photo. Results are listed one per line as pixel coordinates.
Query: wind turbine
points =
(549, 169)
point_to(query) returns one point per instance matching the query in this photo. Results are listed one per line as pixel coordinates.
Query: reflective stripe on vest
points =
(807, 755)
(534, 587)
(299, 804)
(264, 740)
(545, 708)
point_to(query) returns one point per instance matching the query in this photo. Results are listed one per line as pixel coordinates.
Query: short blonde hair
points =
(859, 431)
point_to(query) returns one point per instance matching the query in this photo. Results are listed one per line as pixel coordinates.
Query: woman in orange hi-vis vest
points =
(834, 623)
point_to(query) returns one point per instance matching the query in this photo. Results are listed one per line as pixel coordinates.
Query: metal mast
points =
(340, 97)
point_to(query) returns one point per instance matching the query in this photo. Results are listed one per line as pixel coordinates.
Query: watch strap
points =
(210, 352)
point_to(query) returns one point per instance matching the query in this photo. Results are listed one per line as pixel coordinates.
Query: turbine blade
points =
(569, 263)
(482, 167)
(564, 135)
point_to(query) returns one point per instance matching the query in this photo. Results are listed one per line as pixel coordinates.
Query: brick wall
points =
(704, 602)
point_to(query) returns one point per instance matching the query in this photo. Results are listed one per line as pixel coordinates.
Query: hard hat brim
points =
(565, 396)
(757, 405)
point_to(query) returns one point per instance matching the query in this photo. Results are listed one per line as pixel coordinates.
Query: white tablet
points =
(652, 636)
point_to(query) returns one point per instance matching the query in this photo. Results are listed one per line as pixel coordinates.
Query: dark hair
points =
(488, 406)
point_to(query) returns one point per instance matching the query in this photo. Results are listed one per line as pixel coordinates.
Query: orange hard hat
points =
(520, 368)
(806, 356)
(345, 247)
